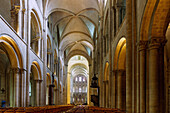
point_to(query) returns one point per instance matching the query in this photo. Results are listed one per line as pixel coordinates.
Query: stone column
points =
(105, 95)
(117, 17)
(37, 93)
(120, 89)
(129, 56)
(142, 76)
(40, 92)
(14, 19)
(21, 22)
(89, 83)
(51, 95)
(56, 96)
(162, 78)
(16, 73)
(23, 87)
(154, 75)
(113, 93)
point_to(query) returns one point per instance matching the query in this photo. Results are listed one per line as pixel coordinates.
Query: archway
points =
(49, 50)
(11, 69)
(56, 92)
(35, 41)
(77, 79)
(106, 85)
(119, 68)
(152, 63)
(35, 85)
(48, 83)
(167, 69)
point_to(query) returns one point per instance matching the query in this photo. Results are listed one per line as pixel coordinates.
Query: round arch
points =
(106, 85)
(119, 67)
(81, 53)
(14, 62)
(34, 84)
(155, 19)
(12, 50)
(121, 44)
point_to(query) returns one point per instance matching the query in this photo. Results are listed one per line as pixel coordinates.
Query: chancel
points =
(89, 56)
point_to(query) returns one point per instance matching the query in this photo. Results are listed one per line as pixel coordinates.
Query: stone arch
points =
(56, 92)
(35, 84)
(12, 50)
(49, 52)
(36, 33)
(152, 35)
(48, 83)
(155, 19)
(120, 50)
(106, 85)
(106, 69)
(81, 53)
(37, 70)
(55, 62)
(119, 70)
(13, 68)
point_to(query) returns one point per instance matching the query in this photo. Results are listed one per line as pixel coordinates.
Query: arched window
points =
(79, 89)
(80, 79)
(83, 79)
(35, 41)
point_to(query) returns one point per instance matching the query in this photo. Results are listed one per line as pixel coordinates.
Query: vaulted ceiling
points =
(77, 24)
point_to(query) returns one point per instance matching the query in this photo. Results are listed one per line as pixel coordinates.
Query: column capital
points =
(15, 10)
(142, 45)
(155, 43)
(15, 70)
(22, 70)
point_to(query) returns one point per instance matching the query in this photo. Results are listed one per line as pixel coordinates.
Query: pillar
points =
(37, 93)
(21, 22)
(16, 72)
(40, 92)
(113, 93)
(142, 76)
(56, 96)
(23, 87)
(117, 17)
(14, 19)
(105, 95)
(129, 56)
(121, 89)
(51, 94)
(154, 75)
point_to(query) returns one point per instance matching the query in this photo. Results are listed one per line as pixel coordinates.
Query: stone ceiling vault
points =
(77, 22)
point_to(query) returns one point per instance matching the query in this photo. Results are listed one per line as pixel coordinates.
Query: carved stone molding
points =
(155, 43)
(23, 70)
(15, 70)
(142, 45)
(15, 10)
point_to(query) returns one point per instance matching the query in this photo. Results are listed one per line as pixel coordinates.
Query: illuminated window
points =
(105, 2)
(83, 79)
(79, 89)
(76, 79)
(80, 79)
(30, 89)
